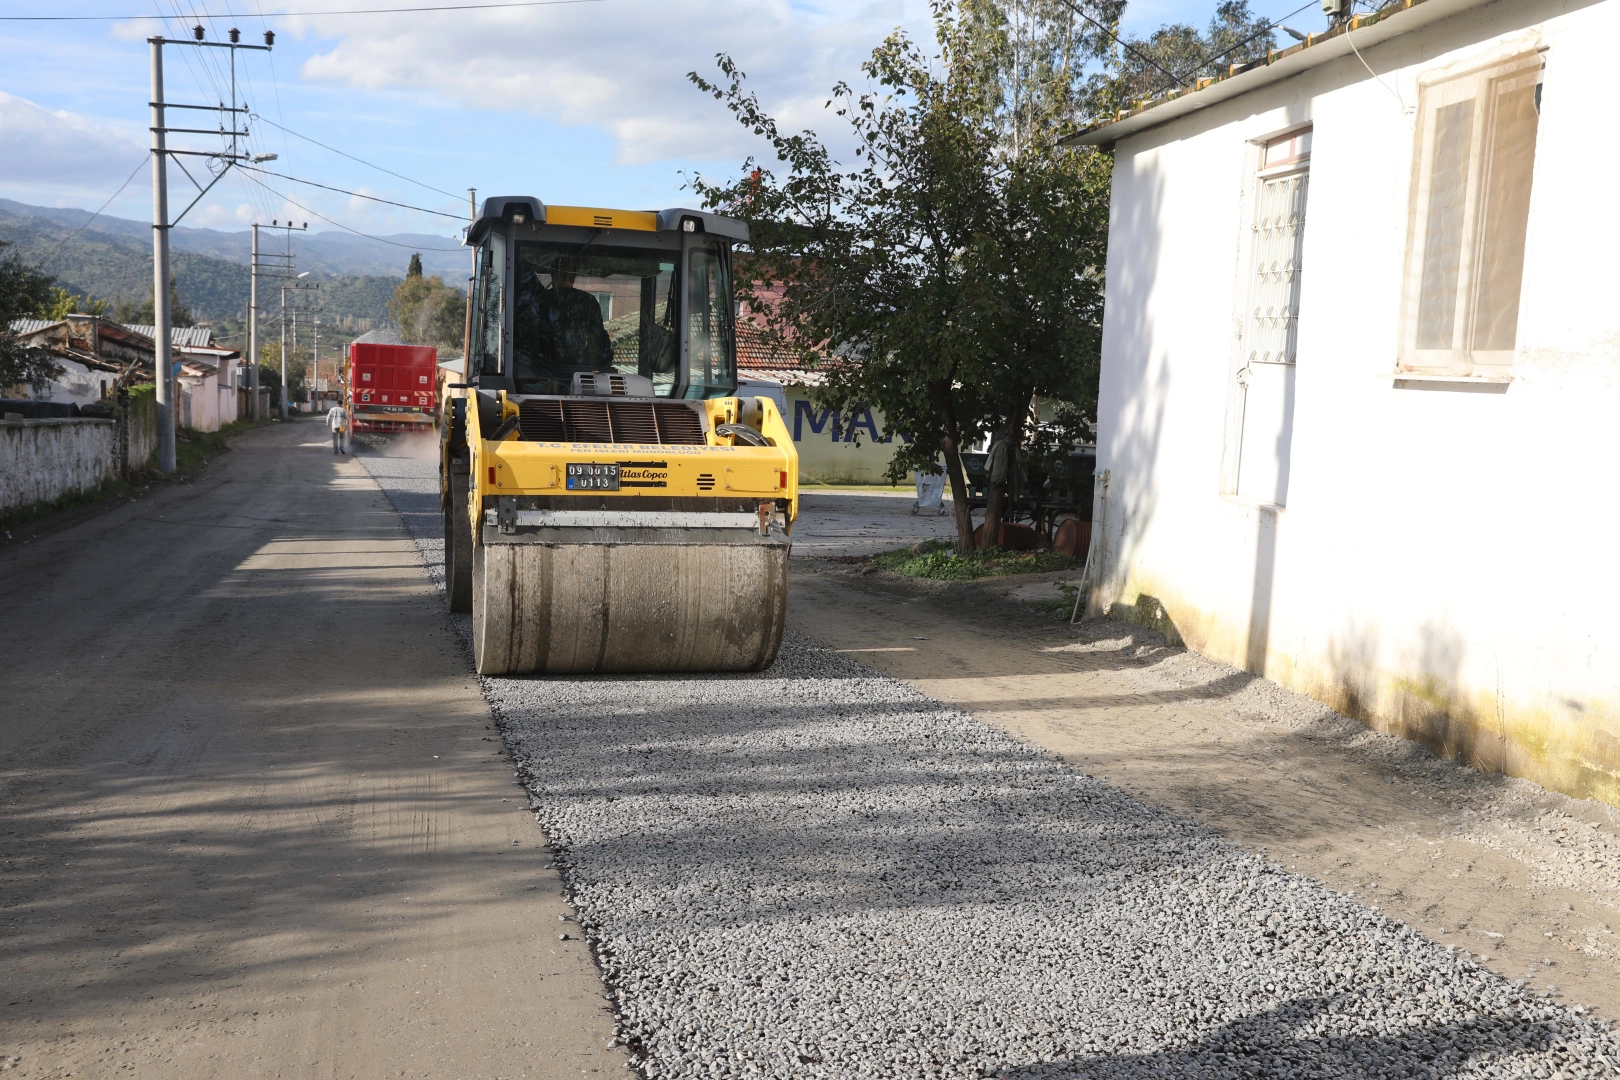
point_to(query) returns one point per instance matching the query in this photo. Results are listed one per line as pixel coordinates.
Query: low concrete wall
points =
(42, 460)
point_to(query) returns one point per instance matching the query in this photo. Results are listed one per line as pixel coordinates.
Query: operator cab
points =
(566, 297)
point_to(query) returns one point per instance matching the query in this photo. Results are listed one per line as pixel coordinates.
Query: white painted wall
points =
(43, 460)
(77, 384)
(836, 449)
(1446, 563)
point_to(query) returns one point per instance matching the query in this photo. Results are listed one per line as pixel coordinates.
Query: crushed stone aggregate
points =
(818, 871)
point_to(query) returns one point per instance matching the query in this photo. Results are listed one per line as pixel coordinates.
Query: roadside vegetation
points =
(938, 560)
(950, 274)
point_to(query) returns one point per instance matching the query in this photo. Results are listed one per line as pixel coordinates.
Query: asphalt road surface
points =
(256, 820)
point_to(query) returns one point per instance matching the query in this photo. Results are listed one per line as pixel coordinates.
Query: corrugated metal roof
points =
(31, 326)
(187, 337)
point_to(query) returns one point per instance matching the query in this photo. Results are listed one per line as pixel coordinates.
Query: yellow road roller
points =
(611, 503)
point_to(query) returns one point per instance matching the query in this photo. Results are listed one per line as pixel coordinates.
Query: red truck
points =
(391, 387)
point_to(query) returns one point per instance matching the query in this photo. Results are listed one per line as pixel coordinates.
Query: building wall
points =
(43, 460)
(77, 384)
(1444, 567)
(834, 449)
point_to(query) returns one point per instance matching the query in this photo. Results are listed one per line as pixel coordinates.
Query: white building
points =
(1361, 369)
(208, 381)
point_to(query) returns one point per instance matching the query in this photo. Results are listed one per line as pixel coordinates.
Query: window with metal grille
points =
(1279, 238)
(1271, 336)
(1468, 216)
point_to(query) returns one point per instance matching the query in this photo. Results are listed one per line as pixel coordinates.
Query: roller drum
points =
(458, 546)
(558, 608)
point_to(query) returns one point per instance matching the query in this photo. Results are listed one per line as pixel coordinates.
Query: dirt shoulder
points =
(1498, 866)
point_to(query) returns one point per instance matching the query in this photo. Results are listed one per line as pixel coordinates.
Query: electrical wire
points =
(339, 224)
(1113, 35)
(356, 194)
(290, 14)
(144, 159)
(351, 157)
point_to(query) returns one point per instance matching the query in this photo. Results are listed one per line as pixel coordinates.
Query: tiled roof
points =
(755, 350)
(1395, 17)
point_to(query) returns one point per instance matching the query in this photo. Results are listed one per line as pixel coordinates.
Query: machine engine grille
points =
(609, 421)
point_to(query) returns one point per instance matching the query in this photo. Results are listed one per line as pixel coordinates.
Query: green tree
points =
(145, 313)
(415, 268)
(63, 303)
(1140, 69)
(951, 274)
(429, 312)
(25, 290)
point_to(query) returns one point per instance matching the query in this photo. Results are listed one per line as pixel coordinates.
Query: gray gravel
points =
(820, 872)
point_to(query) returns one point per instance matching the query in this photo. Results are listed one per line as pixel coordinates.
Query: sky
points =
(582, 102)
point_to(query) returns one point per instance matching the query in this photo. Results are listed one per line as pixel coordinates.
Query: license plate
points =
(590, 476)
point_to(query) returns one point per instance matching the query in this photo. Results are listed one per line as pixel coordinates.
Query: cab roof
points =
(504, 207)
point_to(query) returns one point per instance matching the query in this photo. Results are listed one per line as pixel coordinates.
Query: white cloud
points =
(62, 149)
(620, 66)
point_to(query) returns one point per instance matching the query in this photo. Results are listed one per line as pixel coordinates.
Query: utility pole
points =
(162, 331)
(283, 350)
(315, 380)
(281, 264)
(253, 329)
(284, 287)
(162, 346)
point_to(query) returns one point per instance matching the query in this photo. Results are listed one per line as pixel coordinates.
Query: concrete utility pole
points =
(315, 362)
(281, 264)
(253, 330)
(162, 364)
(162, 331)
(283, 350)
(284, 288)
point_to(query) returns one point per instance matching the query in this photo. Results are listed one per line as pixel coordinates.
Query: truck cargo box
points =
(391, 387)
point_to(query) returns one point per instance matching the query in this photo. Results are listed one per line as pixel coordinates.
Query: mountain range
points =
(111, 258)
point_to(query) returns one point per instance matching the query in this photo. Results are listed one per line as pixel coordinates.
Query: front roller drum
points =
(575, 608)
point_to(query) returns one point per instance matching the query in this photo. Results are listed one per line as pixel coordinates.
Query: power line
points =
(290, 14)
(339, 224)
(356, 194)
(351, 157)
(1113, 35)
(138, 166)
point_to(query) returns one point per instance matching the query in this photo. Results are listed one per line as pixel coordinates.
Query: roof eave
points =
(1368, 30)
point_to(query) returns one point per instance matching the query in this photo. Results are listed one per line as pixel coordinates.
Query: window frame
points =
(1481, 83)
(1256, 171)
(1297, 163)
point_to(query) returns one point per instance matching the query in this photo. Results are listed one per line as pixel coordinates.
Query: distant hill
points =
(113, 259)
(331, 251)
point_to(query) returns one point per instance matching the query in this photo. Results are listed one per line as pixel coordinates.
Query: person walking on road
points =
(338, 421)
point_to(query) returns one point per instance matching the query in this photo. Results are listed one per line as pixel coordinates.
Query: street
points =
(261, 820)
